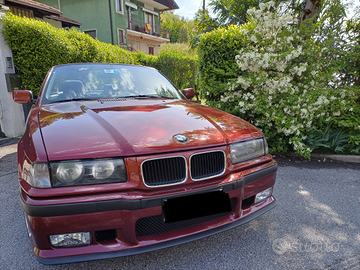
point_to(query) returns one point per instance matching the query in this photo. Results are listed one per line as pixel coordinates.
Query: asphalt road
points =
(316, 225)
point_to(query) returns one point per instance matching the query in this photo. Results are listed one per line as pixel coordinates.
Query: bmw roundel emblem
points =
(181, 138)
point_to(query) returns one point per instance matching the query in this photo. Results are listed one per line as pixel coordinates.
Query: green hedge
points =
(217, 66)
(180, 68)
(37, 46)
(145, 59)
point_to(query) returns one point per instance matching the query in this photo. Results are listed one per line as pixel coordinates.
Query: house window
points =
(128, 13)
(91, 33)
(152, 50)
(121, 37)
(119, 6)
(149, 21)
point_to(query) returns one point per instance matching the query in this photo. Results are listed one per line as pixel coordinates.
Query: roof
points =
(66, 22)
(42, 10)
(171, 4)
(34, 4)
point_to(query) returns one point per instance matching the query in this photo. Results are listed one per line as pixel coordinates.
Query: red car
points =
(116, 161)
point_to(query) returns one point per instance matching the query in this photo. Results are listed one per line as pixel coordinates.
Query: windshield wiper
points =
(73, 99)
(148, 96)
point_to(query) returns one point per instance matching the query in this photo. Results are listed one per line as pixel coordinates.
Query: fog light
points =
(263, 195)
(70, 239)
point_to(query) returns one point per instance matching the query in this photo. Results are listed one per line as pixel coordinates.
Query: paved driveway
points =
(316, 225)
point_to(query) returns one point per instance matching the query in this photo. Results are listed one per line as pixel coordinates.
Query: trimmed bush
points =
(145, 59)
(180, 68)
(217, 65)
(37, 46)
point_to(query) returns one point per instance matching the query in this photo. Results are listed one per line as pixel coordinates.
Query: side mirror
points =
(189, 93)
(22, 96)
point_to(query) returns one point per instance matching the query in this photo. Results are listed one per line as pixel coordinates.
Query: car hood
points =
(130, 127)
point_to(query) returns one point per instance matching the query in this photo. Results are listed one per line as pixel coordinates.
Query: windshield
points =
(106, 81)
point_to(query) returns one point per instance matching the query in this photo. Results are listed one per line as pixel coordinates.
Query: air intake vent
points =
(164, 171)
(110, 99)
(207, 165)
(156, 225)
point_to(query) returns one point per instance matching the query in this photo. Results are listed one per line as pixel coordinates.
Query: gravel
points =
(316, 225)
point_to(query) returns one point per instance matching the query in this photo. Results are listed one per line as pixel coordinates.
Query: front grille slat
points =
(173, 170)
(165, 171)
(206, 165)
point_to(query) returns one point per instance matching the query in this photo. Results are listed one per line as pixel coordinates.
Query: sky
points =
(188, 8)
(354, 4)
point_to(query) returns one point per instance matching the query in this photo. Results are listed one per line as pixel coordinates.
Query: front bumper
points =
(122, 217)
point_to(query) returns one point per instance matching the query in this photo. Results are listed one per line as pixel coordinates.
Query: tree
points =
(227, 12)
(174, 23)
(184, 36)
(203, 22)
(352, 42)
(310, 11)
(288, 85)
(232, 11)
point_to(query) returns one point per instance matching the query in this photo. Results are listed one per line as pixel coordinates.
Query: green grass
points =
(180, 47)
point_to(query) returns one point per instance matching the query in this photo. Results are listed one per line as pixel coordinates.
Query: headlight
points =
(89, 172)
(244, 151)
(68, 172)
(103, 169)
(38, 175)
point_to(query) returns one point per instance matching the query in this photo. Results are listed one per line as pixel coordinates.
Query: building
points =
(12, 115)
(131, 24)
(35, 10)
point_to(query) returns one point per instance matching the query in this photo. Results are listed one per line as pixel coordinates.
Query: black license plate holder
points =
(197, 205)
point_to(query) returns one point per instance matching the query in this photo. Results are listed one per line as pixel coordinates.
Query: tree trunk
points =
(311, 10)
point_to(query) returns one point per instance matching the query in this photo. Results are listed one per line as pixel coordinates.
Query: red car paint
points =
(135, 130)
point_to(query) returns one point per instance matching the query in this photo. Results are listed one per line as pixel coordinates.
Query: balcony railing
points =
(153, 30)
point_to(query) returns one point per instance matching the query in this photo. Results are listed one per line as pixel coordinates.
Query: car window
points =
(102, 81)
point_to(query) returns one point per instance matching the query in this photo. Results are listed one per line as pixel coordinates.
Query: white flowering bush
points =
(284, 82)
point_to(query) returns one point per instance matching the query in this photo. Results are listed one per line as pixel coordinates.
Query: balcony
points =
(147, 30)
